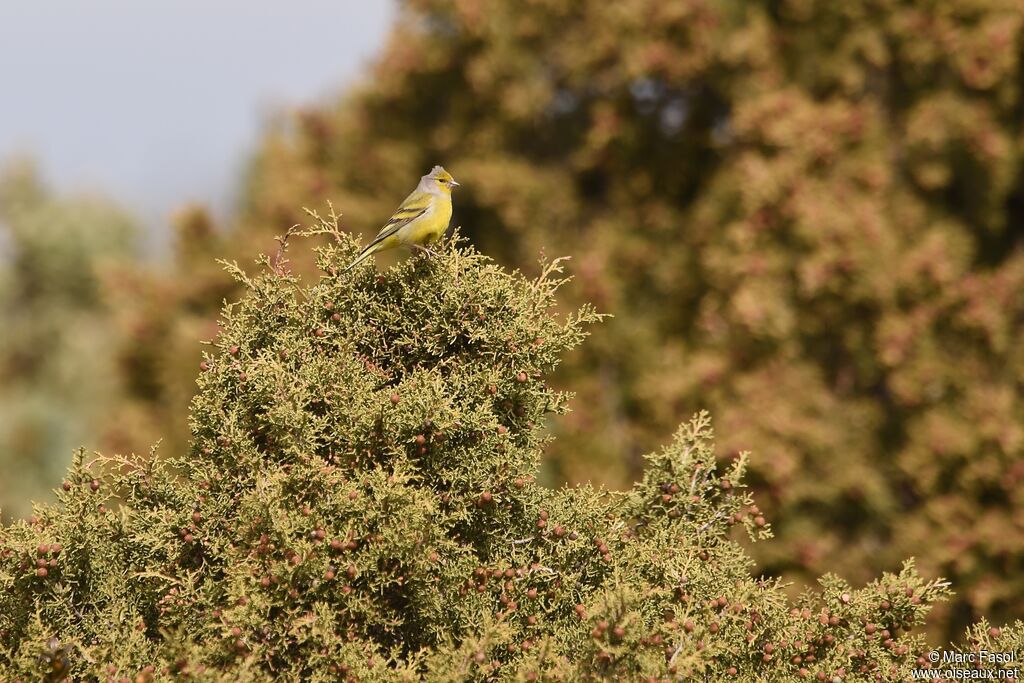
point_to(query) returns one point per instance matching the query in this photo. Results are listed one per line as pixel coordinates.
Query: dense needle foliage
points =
(359, 503)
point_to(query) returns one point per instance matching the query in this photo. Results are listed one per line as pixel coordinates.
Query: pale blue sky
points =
(158, 102)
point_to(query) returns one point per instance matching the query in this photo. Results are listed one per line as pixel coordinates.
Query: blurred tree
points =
(806, 217)
(160, 316)
(56, 369)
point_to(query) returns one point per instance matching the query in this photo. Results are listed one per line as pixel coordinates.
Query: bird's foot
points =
(427, 252)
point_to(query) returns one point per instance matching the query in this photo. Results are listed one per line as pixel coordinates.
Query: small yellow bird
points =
(420, 220)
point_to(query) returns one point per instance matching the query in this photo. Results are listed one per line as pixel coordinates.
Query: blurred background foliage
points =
(805, 216)
(58, 377)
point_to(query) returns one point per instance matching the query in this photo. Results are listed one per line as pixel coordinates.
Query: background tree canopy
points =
(805, 216)
(57, 368)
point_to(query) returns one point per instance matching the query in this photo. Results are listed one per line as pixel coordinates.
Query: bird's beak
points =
(452, 181)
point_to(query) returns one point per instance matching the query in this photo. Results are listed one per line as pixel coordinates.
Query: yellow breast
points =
(430, 226)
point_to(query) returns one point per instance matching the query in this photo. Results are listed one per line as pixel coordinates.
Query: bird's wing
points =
(414, 206)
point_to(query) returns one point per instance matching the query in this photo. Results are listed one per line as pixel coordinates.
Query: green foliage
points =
(806, 216)
(56, 368)
(359, 502)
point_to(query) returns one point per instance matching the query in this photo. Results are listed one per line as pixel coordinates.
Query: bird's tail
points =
(363, 255)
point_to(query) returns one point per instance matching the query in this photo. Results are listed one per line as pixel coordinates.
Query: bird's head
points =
(439, 180)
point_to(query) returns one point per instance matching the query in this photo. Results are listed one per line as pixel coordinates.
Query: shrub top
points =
(360, 503)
